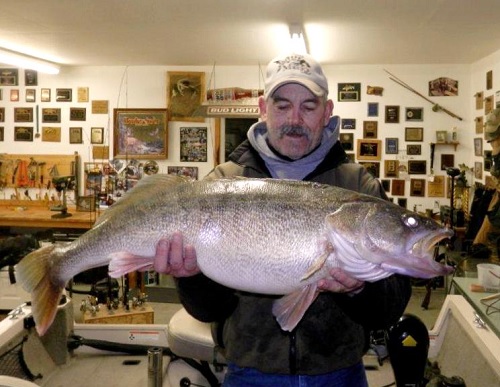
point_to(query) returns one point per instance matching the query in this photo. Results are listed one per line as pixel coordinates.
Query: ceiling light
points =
(27, 62)
(297, 39)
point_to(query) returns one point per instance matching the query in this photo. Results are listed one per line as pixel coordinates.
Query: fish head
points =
(388, 236)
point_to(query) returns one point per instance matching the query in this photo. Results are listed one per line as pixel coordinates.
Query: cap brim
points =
(311, 86)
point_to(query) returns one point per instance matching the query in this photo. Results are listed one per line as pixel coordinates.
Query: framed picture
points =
(435, 188)
(347, 141)
(51, 115)
(22, 133)
(86, 203)
(370, 129)
(441, 136)
(391, 168)
(414, 134)
(30, 78)
(9, 77)
(398, 187)
(414, 114)
(64, 95)
(185, 93)
(45, 95)
(193, 144)
(417, 167)
(479, 124)
(348, 123)
(51, 134)
(97, 135)
(372, 109)
(391, 145)
(2, 114)
(443, 87)
(369, 149)
(140, 133)
(372, 168)
(447, 161)
(392, 114)
(1, 133)
(191, 172)
(82, 94)
(77, 114)
(417, 187)
(349, 92)
(75, 135)
(413, 150)
(14, 95)
(23, 114)
(30, 95)
(478, 147)
(478, 170)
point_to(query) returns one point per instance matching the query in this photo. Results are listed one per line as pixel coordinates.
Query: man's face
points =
(295, 119)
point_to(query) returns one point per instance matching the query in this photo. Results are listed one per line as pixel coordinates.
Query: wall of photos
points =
(400, 125)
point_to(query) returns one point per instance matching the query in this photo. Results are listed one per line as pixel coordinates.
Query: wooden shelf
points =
(451, 143)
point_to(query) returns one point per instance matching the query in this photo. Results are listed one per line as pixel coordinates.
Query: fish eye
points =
(410, 221)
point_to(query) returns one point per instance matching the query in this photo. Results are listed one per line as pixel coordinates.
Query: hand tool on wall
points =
(22, 174)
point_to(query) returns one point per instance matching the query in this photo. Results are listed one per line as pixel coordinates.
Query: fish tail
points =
(33, 274)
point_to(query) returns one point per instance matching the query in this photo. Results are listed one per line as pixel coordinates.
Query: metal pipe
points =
(155, 367)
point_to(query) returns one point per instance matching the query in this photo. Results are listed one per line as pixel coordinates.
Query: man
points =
(297, 139)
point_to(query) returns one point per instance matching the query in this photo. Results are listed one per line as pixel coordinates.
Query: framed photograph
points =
(97, 135)
(391, 145)
(443, 87)
(414, 150)
(417, 187)
(478, 170)
(77, 114)
(447, 161)
(82, 94)
(191, 172)
(347, 141)
(479, 124)
(51, 134)
(1, 133)
(441, 136)
(370, 129)
(45, 95)
(51, 115)
(9, 77)
(417, 167)
(392, 114)
(30, 95)
(2, 114)
(414, 114)
(23, 133)
(75, 135)
(348, 123)
(369, 149)
(23, 114)
(479, 98)
(391, 168)
(349, 92)
(185, 93)
(414, 134)
(140, 133)
(435, 188)
(30, 78)
(64, 95)
(478, 147)
(398, 187)
(372, 109)
(193, 144)
(372, 168)
(14, 95)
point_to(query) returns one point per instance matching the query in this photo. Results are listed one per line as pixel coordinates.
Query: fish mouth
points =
(425, 245)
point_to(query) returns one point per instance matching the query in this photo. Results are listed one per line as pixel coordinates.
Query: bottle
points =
(454, 135)
(232, 94)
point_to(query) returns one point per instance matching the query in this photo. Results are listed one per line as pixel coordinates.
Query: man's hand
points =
(175, 259)
(340, 282)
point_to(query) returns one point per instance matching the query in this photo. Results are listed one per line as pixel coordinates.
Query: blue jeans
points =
(354, 376)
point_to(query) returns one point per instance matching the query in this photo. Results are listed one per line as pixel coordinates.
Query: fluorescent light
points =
(27, 62)
(297, 39)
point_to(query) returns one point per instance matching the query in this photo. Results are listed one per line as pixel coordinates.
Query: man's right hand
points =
(174, 258)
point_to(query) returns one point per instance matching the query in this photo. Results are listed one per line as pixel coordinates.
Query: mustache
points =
(295, 130)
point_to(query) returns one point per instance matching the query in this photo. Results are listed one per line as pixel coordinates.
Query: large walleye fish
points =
(258, 235)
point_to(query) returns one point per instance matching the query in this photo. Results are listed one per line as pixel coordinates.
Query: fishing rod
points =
(435, 106)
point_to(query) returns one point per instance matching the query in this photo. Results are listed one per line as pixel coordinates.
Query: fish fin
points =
(33, 272)
(316, 265)
(123, 262)
(290, 309)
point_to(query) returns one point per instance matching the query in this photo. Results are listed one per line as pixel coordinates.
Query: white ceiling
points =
(247, 32)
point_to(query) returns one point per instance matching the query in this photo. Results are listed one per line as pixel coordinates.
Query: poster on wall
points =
(193, 144)
(185, 93)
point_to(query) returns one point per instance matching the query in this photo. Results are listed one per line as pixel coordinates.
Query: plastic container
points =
(489, 275)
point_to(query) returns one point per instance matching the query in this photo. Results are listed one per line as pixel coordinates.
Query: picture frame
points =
(191, 172)
(349, 92)
(392, 114)
(185, 94)
(77, 114)
(417, 187)
(447, 161)
(414, 134)
(140, 133)
(2, 133)
(441, 136)
(51, 134)
(479, 124)
(398, 187)
(30, 78)
(372, 109)
(373, 168)
(443, 87)
(51, 115)
(414, 114)
(391, 168)
(23, 133)
(435, 188)
(347, 141)
(86, 203)
(193, 144)
(348, 123)
(45, 95)
(14, 95)
(478, 170)
(30, 95)
(76, 135)
(96, 135)
(2, 114)
(370, 129)
(369, 149)
(413, 149)
(478, 146)
(479, 98)
(9, 77)
(417, 167)
(391, 145)
(64, 95)
(82, 94)
(23, 114)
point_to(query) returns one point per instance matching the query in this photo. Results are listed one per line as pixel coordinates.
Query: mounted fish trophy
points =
(62, 184)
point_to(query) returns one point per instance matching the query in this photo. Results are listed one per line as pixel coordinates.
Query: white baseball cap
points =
(295, 68)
